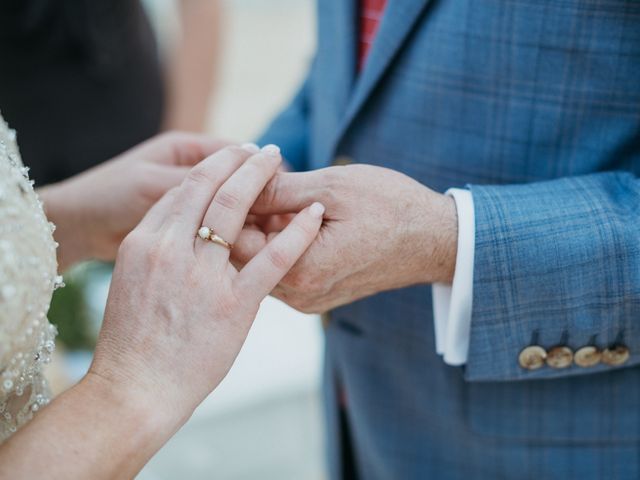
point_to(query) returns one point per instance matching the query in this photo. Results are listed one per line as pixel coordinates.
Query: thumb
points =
(291, 193)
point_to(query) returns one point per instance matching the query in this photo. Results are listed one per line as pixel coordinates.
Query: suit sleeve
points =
(556, 263)
(290, 130)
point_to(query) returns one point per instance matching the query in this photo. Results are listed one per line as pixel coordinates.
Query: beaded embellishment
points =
(28, 277)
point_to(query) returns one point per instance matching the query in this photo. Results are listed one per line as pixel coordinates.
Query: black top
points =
(80, 81)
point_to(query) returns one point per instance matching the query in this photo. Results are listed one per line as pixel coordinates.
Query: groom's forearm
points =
(91, 431)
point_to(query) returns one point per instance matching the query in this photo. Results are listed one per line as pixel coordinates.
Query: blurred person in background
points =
(82, 81)
(494, 332)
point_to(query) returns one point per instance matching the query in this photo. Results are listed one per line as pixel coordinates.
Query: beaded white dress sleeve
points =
(28, 277)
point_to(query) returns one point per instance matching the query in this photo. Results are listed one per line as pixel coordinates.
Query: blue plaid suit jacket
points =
(535, 106)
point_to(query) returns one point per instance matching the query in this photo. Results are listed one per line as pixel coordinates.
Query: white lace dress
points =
(28, 277)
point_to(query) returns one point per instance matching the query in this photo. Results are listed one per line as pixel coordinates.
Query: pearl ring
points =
(208, 235)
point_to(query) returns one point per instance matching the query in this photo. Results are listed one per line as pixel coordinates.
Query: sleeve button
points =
(532, 357)
(616, 355)
(588, 356)
(560, 357)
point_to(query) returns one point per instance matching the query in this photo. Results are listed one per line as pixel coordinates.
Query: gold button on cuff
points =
(560, 357)
(532, 357)
(588, 356)
(615, 356)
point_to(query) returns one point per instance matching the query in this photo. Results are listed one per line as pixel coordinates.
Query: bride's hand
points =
(178, 311)
(95, 210)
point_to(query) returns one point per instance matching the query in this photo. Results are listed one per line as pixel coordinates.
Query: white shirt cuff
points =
(452, 303)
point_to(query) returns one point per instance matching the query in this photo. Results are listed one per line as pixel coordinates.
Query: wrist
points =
(151, 424)
(446, 241)
(438, 232)
(62, 210)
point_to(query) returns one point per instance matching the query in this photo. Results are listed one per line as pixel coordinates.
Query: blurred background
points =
(110, 76)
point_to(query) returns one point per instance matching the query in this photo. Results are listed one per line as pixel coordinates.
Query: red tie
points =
(370, 15)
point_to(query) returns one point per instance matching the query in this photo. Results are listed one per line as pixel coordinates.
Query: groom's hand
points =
(382, 230)
(95, 210)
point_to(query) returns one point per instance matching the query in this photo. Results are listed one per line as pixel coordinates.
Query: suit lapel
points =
(397, 22)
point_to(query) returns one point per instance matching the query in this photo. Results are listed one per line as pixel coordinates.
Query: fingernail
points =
(271, 150)
(317, 210)
(250, 147)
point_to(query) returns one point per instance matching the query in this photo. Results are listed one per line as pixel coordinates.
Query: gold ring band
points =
(208, 235)
(220, 241)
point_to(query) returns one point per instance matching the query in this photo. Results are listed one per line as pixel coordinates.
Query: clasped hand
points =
(382, 230)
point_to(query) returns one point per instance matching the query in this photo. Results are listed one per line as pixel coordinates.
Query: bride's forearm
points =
(91, 431)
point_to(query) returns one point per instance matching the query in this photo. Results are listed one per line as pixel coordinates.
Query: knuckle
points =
(201, 175)
(278, 258)
(227, 199)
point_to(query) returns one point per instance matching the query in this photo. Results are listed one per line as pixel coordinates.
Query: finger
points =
(268, 223)
(254, 221)
(184, 149)
(247, 246)
(250, 244)
(201, 183)
(276, 223)
(162, 178)
(261, 275)
(158, 213)
(228, 211)
(291, 192)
